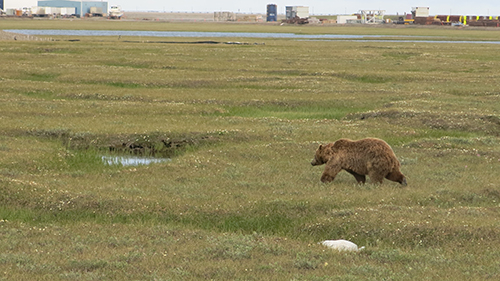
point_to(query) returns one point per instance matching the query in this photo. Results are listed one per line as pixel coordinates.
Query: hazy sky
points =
(437, 7)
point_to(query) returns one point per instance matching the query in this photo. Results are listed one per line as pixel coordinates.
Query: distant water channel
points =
(195, 34)
(132, 160)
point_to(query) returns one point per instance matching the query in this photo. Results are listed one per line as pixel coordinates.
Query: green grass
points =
(240, 200)
(289, 111)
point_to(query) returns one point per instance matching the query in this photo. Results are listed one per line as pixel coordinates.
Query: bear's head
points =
(323, 154)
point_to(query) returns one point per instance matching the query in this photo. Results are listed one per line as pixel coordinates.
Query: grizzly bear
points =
(370, 156)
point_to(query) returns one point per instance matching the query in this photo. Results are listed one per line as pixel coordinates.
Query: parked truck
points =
(115, 12)
(95, 12)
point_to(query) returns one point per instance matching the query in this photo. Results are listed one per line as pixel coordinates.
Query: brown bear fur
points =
(370, 156)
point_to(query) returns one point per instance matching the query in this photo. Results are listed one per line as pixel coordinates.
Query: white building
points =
(420, 12)
(17, 4)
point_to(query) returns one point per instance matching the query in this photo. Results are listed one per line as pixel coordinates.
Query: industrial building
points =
(296, 14)
(82, 8)
(301, 12)
(272, 12)
(372, 16)
(420, 15)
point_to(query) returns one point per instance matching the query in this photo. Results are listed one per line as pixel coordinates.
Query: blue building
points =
(81, 7)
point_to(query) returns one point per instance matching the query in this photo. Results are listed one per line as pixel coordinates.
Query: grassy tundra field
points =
(239, 199)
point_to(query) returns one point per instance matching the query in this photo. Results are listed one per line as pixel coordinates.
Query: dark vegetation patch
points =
(99, 96)
(193, 84)
(468, 93)
(459, 121)
(153, 144)
(368, 78)
(183, 84)
(363, 78)
(374, 78)
(288, 72)
(127, 85)
(57, 51)
(86, 265)
(34, 76)
(129, 65)
(401, 54)
(454, 140)
(491, 118)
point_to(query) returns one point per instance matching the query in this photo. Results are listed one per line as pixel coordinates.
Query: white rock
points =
(341, 245)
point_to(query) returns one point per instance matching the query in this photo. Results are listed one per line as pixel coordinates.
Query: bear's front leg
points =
(327, 178)
(331, 170)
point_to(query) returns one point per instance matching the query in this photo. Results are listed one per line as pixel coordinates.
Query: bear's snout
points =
(403, 182)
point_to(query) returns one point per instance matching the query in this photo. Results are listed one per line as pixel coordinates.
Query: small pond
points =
(132, 160)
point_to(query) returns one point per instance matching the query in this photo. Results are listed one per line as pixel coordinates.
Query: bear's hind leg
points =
(359, 178)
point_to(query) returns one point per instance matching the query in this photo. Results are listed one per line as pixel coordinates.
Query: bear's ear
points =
(320, 146)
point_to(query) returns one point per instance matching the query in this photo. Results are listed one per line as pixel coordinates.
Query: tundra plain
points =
(239, 200)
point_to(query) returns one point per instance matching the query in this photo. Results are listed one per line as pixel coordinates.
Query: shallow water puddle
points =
(132, 160)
